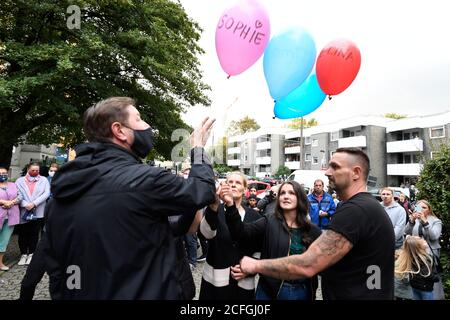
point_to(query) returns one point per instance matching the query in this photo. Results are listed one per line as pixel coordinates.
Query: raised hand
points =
(226, 195)
(200, 135)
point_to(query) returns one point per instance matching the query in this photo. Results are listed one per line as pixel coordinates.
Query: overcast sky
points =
(405, 58)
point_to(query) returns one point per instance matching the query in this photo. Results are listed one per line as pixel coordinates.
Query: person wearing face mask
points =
(10, 197)
(51, 173)
(36, 269)
(108, 233)
(35, 190)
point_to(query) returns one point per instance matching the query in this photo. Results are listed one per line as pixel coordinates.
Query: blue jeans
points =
(289, 291)
(422, 295)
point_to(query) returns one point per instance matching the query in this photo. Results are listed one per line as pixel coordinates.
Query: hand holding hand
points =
(226, 195)
(237, 273)
(248, 265)
(322, 213)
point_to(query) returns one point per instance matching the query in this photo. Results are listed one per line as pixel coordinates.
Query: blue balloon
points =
(288, 60)
(302, 101)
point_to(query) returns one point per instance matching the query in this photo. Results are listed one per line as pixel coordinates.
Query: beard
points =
(339, 187)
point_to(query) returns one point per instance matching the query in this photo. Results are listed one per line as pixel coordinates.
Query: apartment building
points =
(396, 148)
(320, 142)
(258, 153)
(26, 153)
(412, 140)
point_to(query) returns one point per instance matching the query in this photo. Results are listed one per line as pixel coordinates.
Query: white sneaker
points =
(30, 256)
(23, 260)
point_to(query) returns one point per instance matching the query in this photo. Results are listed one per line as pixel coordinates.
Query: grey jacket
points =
(397, 216)
(430, 233)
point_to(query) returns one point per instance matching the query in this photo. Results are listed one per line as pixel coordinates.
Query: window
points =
(334, 136)
(307, 140)
(308, 157)
(437, 132)
(407, 158)
(434, 154)
(315, 143)
(415, 134)
(315, 160)
(416, 158)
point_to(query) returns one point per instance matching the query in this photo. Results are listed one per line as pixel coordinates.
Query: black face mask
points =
(143, 142)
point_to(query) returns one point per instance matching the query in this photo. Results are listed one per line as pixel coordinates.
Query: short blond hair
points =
(244, 178)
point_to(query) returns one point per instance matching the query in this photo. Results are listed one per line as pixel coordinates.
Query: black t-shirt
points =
(367, 271)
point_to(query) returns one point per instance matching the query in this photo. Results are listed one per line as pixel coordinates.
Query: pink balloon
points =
(242, 34)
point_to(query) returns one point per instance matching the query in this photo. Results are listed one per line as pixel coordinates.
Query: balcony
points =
(263, 160)
(263, 145)
(404, 169)
(234, 150)
(356, 142)
(293, 165)
(292, 150)
(234, 163)
(413, 145)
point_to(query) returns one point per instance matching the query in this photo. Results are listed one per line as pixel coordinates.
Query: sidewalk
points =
(10, 280)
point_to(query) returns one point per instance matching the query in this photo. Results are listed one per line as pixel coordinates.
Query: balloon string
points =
(228, 77)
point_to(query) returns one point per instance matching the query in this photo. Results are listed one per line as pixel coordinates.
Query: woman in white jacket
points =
(35, 190)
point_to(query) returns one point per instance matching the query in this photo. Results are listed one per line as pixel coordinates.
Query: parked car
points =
(397, 190)
(270, 181)
(261, 187)
(307, 178)
(376, 193)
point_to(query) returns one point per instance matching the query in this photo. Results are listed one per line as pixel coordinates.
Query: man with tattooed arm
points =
(355, 254)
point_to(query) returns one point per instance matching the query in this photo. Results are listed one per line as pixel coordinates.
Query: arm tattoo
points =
(328, 249)
(331, 242)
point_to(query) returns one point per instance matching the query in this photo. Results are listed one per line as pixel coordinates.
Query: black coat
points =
(268, 236)
(109, 219)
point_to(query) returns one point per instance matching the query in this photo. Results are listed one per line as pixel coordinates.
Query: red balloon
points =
(337, 66)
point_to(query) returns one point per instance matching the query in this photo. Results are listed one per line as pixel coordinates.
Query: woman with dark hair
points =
(286, 231)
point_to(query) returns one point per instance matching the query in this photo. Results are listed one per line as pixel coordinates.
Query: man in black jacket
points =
(108, 235)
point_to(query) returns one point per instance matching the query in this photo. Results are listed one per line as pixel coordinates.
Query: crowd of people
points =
(107, 226)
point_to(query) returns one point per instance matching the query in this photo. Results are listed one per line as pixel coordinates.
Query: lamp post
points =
(302, 144)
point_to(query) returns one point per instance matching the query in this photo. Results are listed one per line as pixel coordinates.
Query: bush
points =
(433, 185)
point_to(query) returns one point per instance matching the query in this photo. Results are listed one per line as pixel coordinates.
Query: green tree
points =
(283, 170)
(296, 123)
(218, 151)
(433, 185)
(242, 126)
(50, 74)
(222, 168)
(393, 115)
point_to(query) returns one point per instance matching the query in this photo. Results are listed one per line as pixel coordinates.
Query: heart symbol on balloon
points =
(238, 44)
